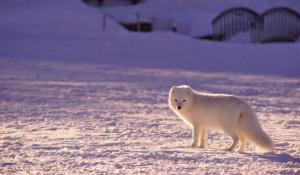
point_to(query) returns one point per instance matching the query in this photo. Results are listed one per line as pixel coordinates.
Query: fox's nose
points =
(178, 107)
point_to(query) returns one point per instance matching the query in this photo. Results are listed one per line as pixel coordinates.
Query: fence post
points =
(103, 22)
(174, 26)
(138, 17)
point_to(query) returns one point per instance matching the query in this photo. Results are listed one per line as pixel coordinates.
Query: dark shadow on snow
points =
(281, 158)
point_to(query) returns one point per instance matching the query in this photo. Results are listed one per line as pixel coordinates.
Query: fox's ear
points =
(189, 90)
(172, 89)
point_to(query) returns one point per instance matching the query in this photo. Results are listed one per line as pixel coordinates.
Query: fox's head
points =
(180, 97)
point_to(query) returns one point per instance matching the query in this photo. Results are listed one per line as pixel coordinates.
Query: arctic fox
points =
(202, 111)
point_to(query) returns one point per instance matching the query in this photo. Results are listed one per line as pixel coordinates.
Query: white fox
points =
(202, 111)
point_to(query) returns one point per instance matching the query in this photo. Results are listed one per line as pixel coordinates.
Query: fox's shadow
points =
(281, 158)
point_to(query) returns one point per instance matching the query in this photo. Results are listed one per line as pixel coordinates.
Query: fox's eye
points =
(184, 101)
(175, 100)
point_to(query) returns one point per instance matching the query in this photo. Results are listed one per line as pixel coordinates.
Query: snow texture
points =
(70, 31)
(77, 99)
(85, 119)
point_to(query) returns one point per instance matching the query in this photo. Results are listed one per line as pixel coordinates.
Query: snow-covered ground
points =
(86, 119)
(70, 31)
(75, 99)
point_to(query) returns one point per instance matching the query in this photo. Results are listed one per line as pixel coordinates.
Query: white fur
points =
(202, 111)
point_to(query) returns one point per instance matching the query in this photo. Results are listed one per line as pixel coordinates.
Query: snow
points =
(77, 99)
(110, 120)
(76, 35)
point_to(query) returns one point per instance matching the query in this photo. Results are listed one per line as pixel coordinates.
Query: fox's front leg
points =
(196, 136)
(203, 137)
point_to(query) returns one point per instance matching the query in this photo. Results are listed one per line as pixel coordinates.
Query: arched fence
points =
(278, 24)
(101, 2)
(234, 20)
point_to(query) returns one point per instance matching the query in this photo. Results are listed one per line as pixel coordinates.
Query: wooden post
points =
(174, 26)
(138, 17)
(103, 22)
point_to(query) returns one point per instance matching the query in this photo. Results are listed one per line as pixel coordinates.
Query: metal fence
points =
(278, 24)
(101, 2)
(233, 21)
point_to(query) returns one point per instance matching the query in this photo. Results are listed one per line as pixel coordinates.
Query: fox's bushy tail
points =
(250, 127)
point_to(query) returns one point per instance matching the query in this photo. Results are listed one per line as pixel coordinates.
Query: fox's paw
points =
(202, 146)
(194, 145)
(241, 151)
(229, 149)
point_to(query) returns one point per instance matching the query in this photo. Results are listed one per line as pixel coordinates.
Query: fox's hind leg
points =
(242, 143)
(235, 139)
(231, 128)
